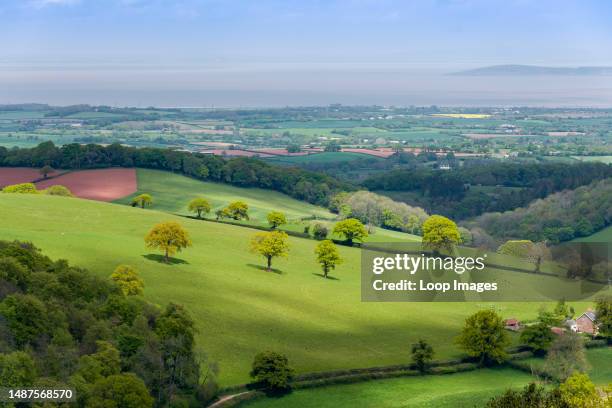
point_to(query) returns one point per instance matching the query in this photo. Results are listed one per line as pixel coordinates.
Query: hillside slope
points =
(239, 308)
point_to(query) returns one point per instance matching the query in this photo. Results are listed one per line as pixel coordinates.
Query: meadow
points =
(471, 389)
(172, 193)
(239, 308)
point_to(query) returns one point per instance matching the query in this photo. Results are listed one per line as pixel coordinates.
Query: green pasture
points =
(172, 193)
(470, 389)
(602, 159)
(239, 308)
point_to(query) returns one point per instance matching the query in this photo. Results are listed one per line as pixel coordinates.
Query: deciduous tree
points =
(327, 256)
(199, 205)
(566, 355)
(127, 278)
(169, 237)
(422, 354)
(351, 229)
(237, 210)
(276, 219)
(270, 244)
(45, 171)
(440, 233)
(272, 370)
(484, 337)
(143, 200)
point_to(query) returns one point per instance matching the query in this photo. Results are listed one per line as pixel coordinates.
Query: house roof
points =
(590, 314)
(557, 330)
(511, 321)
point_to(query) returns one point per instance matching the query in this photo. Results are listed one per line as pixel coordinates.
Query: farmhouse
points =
(571, 324)
(586, 323)
(512, 324)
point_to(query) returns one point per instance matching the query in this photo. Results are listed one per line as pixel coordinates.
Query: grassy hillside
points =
(447, 391)
(172, 193)
(241, 309)
(604, 235)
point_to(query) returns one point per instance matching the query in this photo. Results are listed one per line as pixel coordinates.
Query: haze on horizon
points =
(276, 53)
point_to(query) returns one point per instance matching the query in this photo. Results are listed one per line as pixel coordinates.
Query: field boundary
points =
(235, 395)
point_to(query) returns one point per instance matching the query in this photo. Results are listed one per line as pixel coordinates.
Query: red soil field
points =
(234, 153)
(17, 175)
(100, 185)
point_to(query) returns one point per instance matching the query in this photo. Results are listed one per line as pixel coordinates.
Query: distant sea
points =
(294, 86)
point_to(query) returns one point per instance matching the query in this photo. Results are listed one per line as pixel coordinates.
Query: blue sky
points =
(424, 32)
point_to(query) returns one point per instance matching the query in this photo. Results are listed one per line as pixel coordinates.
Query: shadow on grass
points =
(263, 268)
(328, 277)
(161, 259)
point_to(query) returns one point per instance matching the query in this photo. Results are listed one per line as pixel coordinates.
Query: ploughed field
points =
(241, 309)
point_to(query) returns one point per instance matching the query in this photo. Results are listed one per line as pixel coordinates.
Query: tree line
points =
(559, 217)
(244, 172)
(452, 193)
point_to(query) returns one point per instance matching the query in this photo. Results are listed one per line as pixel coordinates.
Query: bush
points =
(23, 188)
(319, 231)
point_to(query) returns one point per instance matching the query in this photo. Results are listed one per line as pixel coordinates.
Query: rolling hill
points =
(239, 308)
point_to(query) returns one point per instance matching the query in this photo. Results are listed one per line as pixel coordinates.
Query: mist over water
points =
(300, 84)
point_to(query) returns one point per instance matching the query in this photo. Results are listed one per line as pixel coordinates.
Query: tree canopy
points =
(142, 200)
(169, 237)
(483, 336)
(270, 245)
(351, 229)
(327, 256)
(276, 219)
(199, 206)
(440, 233)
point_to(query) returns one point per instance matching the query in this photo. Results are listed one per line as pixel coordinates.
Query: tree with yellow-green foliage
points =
(269, 245)
(578, 391)
(128, 280)
(58, 190)
(237, 210)
(440, 233)
(276, 218)
(351, 229)
(169, 237)
(142, 200)
(327, 256)
(23, 188)
(199, 205)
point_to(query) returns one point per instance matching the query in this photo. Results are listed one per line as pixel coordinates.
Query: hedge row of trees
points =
(559, 217)
(62, 327)
(245, 172)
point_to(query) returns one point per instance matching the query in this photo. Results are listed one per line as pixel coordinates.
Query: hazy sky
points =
(253, 45)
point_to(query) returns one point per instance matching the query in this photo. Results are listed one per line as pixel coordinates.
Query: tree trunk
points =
(325, 272)
(166, 258)
(269, 263)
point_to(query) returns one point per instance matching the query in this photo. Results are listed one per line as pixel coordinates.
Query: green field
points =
(471, 389)
(602, 159)
(239, 308)
(325, 157)
(172, 193)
